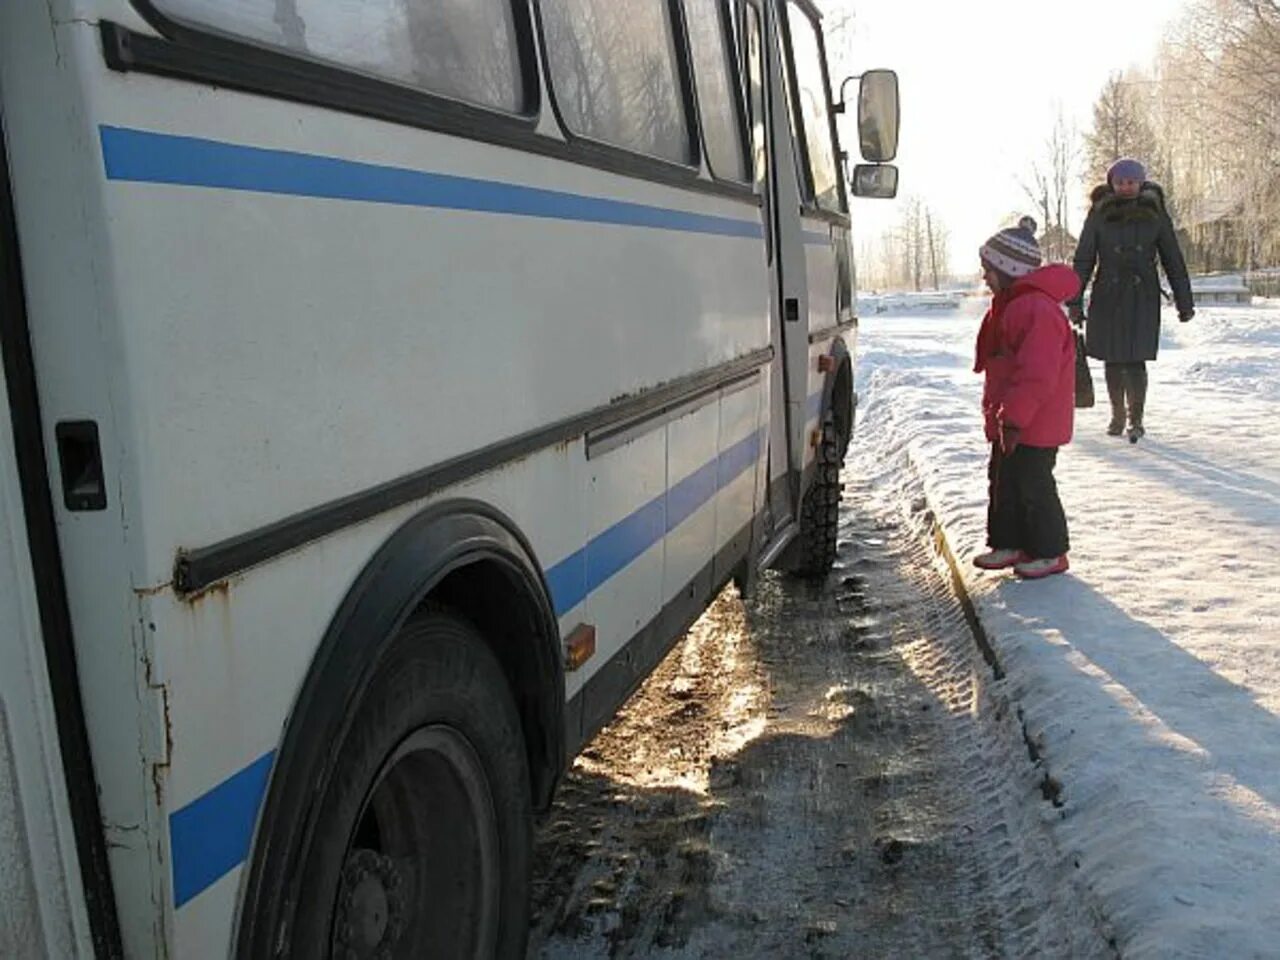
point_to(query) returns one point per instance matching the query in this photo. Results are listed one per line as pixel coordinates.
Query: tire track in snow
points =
(825, 771)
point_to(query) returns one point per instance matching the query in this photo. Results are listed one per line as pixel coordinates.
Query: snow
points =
(1220, 288)
(1223, 281)
(911, 302)
(1148, 676)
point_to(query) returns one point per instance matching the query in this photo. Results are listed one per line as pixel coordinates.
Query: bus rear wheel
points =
(421, 846)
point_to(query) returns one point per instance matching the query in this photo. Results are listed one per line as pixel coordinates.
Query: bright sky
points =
(979, 84)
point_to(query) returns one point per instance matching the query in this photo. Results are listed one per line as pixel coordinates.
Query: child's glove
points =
(1009, 435)
(1076, 313)
(1186, 315)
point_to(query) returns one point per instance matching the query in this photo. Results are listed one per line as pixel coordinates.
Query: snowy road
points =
(818, 772)
(1149, 676)
(838, 773)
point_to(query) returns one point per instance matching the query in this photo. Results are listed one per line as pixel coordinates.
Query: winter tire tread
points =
(815, 549)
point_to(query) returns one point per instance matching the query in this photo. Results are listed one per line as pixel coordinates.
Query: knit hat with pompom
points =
(1014, 250)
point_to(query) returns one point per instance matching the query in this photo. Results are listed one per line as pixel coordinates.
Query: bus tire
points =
(421, 843)
(814, 549)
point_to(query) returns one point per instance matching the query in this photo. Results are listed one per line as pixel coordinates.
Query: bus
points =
(390, 384)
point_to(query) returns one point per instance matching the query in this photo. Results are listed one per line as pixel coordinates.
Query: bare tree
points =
(1063, 151)
(931, 246)
(870, 265)
(914, 251)
(1038, 191)
(1120, 127)
(1212, 101)
(940, 254)
(1050, 186)
(1236, 45)
(912, 230)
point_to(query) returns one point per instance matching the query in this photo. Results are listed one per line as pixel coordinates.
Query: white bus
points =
(390, 383)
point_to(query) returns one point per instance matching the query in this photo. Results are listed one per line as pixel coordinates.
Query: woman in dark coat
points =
(1127, 228)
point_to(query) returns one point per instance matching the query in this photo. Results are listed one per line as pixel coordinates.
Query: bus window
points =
(754, 50)
(614, 74)
(463, 49)
(718, 103)
(801, 179)
(755, 86)
(812, 89)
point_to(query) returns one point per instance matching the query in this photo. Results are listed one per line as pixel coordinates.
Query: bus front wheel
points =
(421, 844)
(813, 551)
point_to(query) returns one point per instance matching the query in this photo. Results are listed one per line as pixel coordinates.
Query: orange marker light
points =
(579, 646)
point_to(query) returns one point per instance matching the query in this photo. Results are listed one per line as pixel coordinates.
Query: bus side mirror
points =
(877, 114)
(876, 181)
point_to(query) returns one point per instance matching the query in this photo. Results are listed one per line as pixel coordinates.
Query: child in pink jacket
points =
(1027, 351)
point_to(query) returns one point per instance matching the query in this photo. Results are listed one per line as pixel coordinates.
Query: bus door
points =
(774, 162)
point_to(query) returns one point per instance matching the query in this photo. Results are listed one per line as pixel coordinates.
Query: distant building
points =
(1058, 243)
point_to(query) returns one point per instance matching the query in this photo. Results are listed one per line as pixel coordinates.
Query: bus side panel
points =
(743, 429)
(692, 473)
(268, 323)
(626, 507)
(235, 657)
(46, 62)
(40, 896)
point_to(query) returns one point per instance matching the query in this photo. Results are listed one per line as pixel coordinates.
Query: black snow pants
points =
(1023, 509)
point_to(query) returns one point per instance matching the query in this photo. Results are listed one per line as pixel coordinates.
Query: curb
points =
(961, 589)
(1051, 789)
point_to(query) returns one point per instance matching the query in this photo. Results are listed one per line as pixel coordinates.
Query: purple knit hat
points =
(1126, 168)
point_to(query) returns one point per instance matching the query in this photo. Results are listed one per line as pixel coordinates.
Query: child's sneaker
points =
(999, 559)
(1045, 567)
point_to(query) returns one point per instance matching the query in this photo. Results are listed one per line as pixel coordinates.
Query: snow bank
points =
(1149, 676)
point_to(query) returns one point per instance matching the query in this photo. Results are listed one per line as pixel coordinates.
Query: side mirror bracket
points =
(839, 105)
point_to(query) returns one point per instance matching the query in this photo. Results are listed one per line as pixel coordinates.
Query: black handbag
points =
(1084, 379)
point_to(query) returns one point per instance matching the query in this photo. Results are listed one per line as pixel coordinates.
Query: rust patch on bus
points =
(160, 769)
(152, 591)
(221, 590)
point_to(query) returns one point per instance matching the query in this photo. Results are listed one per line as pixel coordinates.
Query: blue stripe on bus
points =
(813, 237)
(737, 460)
(693, 491)
(624, 542)
(144, 156)
(567, 582)
(583, 571)
(210, 836)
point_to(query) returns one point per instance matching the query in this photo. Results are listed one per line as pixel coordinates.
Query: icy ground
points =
(1149, 676)
(822, 771)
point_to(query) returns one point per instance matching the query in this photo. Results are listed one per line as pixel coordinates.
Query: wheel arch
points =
(462, 553)
(837, 392)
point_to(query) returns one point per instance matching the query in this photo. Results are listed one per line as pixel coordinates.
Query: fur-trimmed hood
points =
(1147, 205)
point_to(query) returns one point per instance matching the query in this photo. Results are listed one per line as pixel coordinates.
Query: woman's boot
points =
(1115, 393)
(1136, 389)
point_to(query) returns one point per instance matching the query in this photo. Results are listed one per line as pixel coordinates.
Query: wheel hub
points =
(370, 917)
